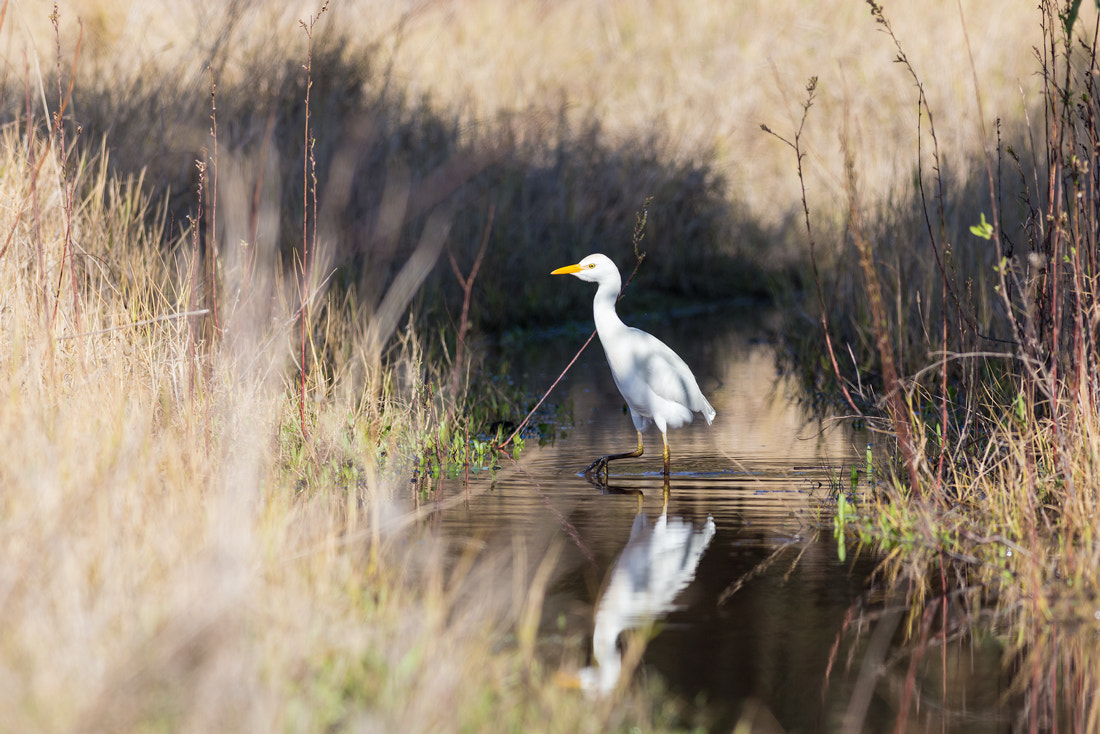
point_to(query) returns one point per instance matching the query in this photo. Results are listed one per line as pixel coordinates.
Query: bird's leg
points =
(600, 464)
(606, 488)
(666, 454)
(666, 494)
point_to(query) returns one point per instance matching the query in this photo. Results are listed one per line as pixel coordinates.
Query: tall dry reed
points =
(985, 348)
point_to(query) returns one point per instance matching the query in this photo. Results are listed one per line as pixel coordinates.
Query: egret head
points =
(594, 268)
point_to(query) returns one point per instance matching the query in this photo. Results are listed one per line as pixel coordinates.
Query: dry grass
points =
(177, 558)
(705, 76)
(997, 515)
(574, 115)
(709, 73)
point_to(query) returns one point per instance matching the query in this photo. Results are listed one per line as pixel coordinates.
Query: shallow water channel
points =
(752, 614)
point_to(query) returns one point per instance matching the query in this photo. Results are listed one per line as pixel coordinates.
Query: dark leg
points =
(606, 488)
(600, 464)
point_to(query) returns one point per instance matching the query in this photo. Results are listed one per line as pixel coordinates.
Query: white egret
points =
(658, 562)
(657, 385)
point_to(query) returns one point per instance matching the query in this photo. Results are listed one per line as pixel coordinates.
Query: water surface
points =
(760, 619)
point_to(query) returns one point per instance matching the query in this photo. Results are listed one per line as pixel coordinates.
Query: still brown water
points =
(753, 615)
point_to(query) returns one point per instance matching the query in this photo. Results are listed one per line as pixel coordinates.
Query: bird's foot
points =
(600, 465)
(597, 467)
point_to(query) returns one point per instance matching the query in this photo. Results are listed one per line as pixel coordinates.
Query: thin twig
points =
(214, 208)
(549, 390)
(796, 145)
(467, 284)
(309, 173)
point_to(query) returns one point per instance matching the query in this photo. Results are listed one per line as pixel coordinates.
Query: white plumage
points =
(658, 562)
(657, 385)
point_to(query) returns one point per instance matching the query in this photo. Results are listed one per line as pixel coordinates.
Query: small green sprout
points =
(840, 521)
(983, 230)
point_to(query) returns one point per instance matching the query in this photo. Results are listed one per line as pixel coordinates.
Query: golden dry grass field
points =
(705, 73)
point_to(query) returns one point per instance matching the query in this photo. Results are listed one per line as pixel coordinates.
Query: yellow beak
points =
(567, 270)
(567, 680)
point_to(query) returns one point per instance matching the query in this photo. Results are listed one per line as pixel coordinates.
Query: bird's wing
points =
(669, 376)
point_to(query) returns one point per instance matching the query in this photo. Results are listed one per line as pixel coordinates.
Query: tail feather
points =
(707, 411)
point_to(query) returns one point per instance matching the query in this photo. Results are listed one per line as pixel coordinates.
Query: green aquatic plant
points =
(840, 526)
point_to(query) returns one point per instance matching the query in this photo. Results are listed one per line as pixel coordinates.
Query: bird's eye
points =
(590, 265)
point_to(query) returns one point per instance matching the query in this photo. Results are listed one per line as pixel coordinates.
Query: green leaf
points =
(983, 230)
(839, 522)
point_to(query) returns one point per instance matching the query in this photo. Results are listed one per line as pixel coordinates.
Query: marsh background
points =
(240, 243)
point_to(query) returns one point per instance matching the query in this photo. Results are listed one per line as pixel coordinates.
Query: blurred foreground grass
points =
(178, 556)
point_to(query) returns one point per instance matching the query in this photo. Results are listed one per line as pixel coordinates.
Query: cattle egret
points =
(657, 385)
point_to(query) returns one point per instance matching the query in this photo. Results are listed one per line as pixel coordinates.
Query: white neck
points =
(605, 651)
(603, 306)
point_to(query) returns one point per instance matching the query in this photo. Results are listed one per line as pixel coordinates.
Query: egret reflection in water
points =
(658, 562)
